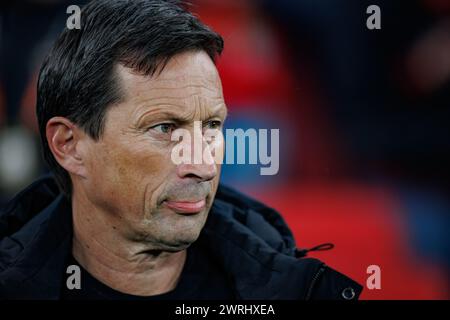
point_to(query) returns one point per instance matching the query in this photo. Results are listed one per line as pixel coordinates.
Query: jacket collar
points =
(38, 270)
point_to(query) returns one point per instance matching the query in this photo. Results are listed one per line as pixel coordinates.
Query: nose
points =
(201, 172)
(204, 170)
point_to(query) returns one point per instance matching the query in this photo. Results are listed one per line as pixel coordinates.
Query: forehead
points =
(187, 77)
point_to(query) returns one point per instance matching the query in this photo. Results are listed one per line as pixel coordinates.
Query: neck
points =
(119, 262)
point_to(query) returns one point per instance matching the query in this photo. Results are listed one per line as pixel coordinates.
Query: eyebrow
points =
(176, 117)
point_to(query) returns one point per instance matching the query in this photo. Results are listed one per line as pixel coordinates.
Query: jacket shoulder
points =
(329, 284)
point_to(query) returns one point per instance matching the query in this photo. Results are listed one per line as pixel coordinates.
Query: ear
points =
(65, 141)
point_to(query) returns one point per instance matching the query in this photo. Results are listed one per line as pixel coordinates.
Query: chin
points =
(186, 239)
(173, 232)
(175, 245)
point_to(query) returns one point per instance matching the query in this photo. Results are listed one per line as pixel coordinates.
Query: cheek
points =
(128, 175)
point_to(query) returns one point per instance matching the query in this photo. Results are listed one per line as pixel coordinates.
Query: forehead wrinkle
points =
(193, 97)
(205, 81)
(182, 92)
(204, 108)
(193, 105)
(200, 110)
(158, 110)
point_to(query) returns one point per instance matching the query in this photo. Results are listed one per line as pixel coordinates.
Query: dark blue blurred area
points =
(393, 123)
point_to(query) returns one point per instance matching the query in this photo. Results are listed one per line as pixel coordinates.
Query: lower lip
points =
(186, 207)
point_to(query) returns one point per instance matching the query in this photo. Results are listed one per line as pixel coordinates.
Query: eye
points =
(165, 128)
(214, 124)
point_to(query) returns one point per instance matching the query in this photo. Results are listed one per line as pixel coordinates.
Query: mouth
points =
(186, 207)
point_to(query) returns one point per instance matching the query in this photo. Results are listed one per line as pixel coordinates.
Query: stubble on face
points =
(131, 169)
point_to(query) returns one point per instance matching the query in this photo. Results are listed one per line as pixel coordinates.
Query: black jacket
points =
(250, 240)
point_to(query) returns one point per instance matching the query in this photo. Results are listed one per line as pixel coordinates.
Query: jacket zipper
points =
(314, 280)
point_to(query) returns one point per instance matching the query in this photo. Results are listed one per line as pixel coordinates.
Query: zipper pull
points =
(321, 247)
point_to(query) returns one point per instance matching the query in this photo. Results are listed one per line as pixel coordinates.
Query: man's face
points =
(130, 173)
